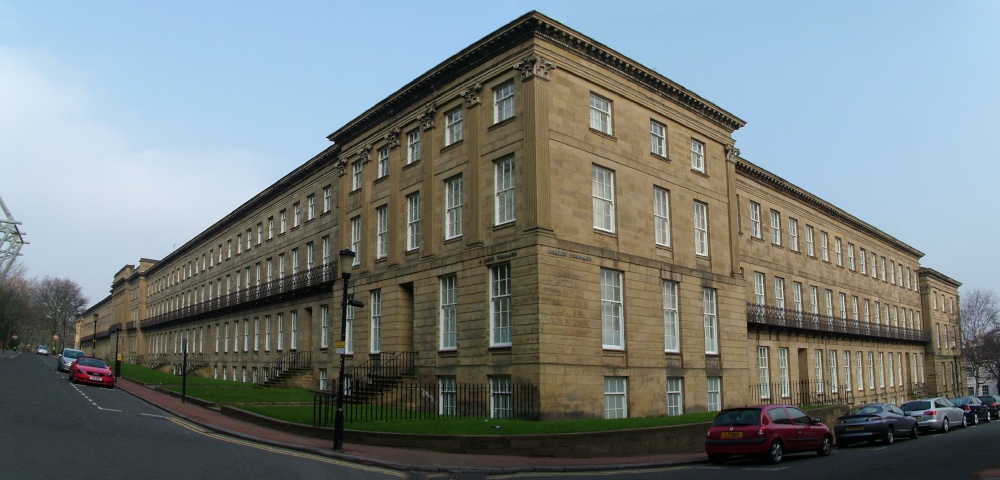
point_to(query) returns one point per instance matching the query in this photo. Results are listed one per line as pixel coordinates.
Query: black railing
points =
(306, 279)
(275, 370)
(780, 317)
(380, 373)
(802, 392)
(426, 402)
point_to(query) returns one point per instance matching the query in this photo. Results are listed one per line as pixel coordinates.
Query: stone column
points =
(534, 166)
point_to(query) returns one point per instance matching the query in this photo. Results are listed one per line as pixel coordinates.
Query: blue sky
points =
(127, 128)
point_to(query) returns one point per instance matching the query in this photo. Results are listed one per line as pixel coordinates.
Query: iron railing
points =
(802, 392)
(780, 317)
(275, 370)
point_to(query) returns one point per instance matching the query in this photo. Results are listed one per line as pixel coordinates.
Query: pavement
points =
(401, 459)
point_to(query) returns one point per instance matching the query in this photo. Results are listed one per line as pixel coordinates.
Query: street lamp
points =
(95, 334)
(344, 262)
(118, 356)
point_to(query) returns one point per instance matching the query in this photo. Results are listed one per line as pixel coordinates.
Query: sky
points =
(128, 128)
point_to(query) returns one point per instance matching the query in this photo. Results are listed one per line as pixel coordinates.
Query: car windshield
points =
(960, 400)
(72, 354)
(92, 362)
(919, 405)
(866, 410)
(743, 416)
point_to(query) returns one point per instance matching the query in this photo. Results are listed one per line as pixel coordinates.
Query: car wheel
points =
(988, 417)
(890, 436)
(717, 459)
(825, 447)
(965, 421)
(975, 419)
(777, 452)
(914, 434)
(945, 426)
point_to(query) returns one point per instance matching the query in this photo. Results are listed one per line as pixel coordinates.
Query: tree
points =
(61, 300)
(980, 320)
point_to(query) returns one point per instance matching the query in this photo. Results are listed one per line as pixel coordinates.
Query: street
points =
(50, 428)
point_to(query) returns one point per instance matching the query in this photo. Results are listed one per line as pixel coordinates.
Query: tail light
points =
(873, 418)
(930, 412)
(965, 407)
(761, 432)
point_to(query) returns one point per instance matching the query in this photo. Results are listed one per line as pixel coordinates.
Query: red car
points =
(770, 431)
(93, 371)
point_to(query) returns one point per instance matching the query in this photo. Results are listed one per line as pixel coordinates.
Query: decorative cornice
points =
(427, 119)
(471, 95)
(759, 174)
(365, 152)
(732, 153)
(392, 138)
(930, 272)
(534, 66)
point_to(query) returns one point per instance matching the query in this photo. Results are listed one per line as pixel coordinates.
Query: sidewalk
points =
(411, 460)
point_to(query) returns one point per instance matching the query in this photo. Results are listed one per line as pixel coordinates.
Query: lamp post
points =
(118, 356)
(344, 262)
(95, 335)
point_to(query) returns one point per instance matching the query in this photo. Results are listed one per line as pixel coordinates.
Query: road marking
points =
(282, 451)
(151, 415)
(108, 409)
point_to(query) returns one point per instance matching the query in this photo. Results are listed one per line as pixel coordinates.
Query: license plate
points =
(916, 417)
(96, 379)
(731, 435)
(856, 428)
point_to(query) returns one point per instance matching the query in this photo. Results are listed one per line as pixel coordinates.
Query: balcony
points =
(305, 282)
(773, 317)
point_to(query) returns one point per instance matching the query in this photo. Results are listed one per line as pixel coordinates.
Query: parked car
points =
(974, 409)
(66, 358)
(767, 430)
(875, 421)
(934, 413)
(991, 402)
(91, 370)
(42, 350)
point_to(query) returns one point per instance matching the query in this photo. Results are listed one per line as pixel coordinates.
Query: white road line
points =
(107, 409)
(151, 415)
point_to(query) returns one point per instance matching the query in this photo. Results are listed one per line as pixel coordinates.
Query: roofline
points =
(930, 272)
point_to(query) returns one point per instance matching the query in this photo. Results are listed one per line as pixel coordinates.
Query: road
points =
(50, 428)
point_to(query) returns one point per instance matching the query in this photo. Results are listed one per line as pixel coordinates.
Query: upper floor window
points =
(755, 230)
(824, 245)
(600, 114)
(604, 198)
(671, 320)
(504, 188)
(284, 221)
(382, 234)
(327, 198)
(837, 251)
(453, 126)
(413, 146)
(500, 313)
(657, 139)
(356, 176)
(775, 227)
(793, 234)
(850, 256)
(296, 214)
(861, 261)
(503, 102)
(711, 320)
(453, 207)
(356, 240)
(413, 221)
(697, 156)
(612, 313)
(661, 216)
(700, 229)
(810, 249)
(383, 162)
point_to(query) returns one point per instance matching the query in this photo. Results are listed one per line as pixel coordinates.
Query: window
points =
(612, 316)
(711, 321)
(657, 139)
(504, 188)
(281, 331)
(783, 378)
(675, 396)
(453, 207)
(604, 198)
(296, 214)
(818, 366)
(824, 246)
(671, 321)
(860, 367)
(833, 370)
(797, 297)
(413, 221)
(349, 331)
(847, 370)
(322, 379)
(327, 201)
(714, 394)
(448, 396)
(779, 292)
(661, 216)
(267, 333)
(449, 312)
(854, 307)
(356, 176)
(229, 249)
(239, 243)
(382, 234)
(376, 326)
(697, 156)
(861, 261)
(356, 240)
(324, 335)
(881, 370)
(765, 373)
(500, 396)
(758, 288)
(284, 221)
(615, 401)
(503, 102)
(873, 265)
(500, 320)
(413, 146)
(837, 251)
(829, 303)
(843, 305)
(810, 249)
(453, 127)
(383, 162)
(775, 227)
(892, 377)
(793, 234)
(600, 114)
(700, 229)
(246, 334)
(882, 269)
(755, 230)
(293, 341)
(871, 370)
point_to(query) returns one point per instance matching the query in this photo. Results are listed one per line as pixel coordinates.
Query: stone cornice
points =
(930, 272)
(528, 26)
(763, 176)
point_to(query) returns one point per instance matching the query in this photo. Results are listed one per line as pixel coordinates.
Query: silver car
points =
(934, 413)
(66, 359)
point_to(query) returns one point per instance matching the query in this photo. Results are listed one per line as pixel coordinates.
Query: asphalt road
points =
(50, 428)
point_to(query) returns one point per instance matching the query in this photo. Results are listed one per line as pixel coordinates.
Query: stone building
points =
(540, 209)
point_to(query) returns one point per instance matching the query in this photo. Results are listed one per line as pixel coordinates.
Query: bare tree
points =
(17, 308)
(61, 300)
(980, 320)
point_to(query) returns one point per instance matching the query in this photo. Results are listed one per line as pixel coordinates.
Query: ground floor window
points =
(675, 396)
(500, 396)
(714, 394)
(448, 395)
(615, 400)
(322, 379)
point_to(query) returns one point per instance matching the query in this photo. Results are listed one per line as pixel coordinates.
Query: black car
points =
(991, 402)
(975, 409)
(876, 421)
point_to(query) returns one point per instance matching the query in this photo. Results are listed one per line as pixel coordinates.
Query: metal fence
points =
(780, 317)
(803, 392)
(409, 401)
